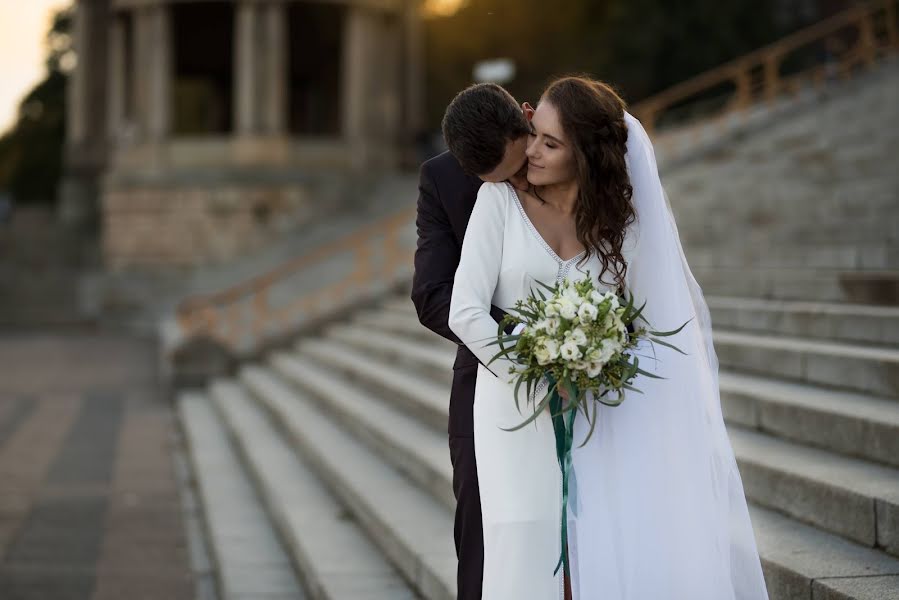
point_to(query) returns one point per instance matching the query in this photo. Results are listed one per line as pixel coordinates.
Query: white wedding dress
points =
(656, 505)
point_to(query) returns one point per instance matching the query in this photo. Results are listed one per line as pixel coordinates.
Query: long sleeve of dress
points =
(477, 276)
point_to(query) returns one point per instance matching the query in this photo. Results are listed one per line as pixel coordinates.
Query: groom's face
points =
(514, 162)
(514, 165)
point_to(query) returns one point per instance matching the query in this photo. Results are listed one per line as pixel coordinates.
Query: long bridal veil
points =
(662, 512)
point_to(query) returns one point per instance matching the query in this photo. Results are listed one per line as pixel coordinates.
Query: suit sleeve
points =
(436, 258)
(477, 276)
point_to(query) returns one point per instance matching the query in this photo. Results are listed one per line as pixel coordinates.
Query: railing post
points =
(866, 41)
(772, 77)
(743, 95)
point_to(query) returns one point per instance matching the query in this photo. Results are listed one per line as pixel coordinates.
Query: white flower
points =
(553, 347)
(596, 297)
(577, 336)
(580, 365)
(541, 325)
(572, 296)
(587, 312)
(594, 369)
(552, 325)
(570, 351)
(609, 348)
(551, 310)
(567, 308)
(542, 354)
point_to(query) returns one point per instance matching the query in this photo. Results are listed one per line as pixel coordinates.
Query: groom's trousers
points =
(468, 532)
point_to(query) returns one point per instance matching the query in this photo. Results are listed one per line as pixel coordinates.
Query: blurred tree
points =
(31, 150)
(640, 46)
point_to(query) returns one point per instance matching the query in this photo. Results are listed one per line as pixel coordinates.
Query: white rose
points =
(596, 297)
(542, 354)
(552, 325)
(572, 296)
(552, 346)
(587, 312)
(567, 309)
(578, 336)
(594, 369)
(580, 365)
(541, 325)
(570, 351)
(551, 310)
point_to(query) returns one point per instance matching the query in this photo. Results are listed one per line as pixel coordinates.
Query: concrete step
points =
(428, 354)
(250, 560)
(850, 497)
(405, 442)
(878, 287)
(859, 368)
(851, 424)
(784, 570)
(760, 253)
(802, 562)
(411, 528)
(393, 321)
(411, 390)
(819, 320)
(337, 561)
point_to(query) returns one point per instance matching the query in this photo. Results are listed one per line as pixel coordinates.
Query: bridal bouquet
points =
(576, 339)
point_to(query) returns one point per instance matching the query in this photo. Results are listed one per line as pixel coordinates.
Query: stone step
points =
(851, 424)
(336, 560)
(822, 285)
(852, 498)
(409, 526)
(833, 255)
(832, 493)
(860, 368)
(405, 323)
(407, 443)
(250, 560)
(820, 320)
(801, 562)
(410, 390)
(429, 354)
(784, 569)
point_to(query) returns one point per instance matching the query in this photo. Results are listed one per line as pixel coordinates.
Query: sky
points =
(23, 26)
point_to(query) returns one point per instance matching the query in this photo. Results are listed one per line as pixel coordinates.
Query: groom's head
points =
(487, 132)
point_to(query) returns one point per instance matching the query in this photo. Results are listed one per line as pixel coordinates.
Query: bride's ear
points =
(528, 110)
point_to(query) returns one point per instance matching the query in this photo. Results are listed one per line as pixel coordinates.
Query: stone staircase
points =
(344, 438)
(804, 208)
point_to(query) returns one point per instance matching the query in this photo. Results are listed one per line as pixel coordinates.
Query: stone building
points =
(197, 129)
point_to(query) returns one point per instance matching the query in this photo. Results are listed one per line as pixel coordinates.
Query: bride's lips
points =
(532, 165)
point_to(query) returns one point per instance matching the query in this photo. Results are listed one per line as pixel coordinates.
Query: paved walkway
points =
(89, 504)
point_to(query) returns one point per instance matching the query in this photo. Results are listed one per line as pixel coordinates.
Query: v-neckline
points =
(536, 232)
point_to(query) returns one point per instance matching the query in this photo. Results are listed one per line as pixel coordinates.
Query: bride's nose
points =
(531, 151)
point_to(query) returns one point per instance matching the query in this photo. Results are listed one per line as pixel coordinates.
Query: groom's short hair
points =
(479, 122)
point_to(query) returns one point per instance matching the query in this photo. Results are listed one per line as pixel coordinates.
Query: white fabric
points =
(657, 507)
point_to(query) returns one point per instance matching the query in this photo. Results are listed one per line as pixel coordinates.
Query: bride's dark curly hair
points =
(592, 117)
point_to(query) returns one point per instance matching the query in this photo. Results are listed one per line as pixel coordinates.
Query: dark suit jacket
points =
(446, 196)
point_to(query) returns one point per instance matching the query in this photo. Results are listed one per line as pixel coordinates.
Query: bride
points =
(656, 504)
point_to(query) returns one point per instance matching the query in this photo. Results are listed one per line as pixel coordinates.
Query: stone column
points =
(159, 116)
(116, 92)
(273, 66)
(245, 65)
(357, 36)
(414, 70)
(76, 91)
(152, 72)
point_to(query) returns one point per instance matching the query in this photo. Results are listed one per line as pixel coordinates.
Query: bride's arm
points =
(477, 277)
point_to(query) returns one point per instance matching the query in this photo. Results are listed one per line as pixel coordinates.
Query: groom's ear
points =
(528, 110)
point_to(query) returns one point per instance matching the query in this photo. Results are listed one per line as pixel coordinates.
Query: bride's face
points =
(550, 155)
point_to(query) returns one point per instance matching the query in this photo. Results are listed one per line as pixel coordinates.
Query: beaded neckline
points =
(536, 233)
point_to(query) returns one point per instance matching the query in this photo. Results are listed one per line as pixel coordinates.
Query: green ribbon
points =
(564, 431)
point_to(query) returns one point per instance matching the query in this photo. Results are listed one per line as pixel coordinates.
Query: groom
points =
(487, 133)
